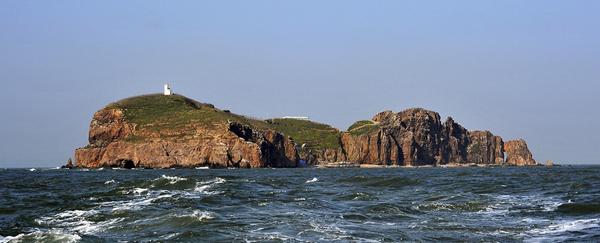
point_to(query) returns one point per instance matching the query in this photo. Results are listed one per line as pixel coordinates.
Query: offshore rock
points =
(68, 165)
(518, 154)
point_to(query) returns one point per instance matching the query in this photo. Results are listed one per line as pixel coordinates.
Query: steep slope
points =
(518, 153)
(417, 137)
(174, 131)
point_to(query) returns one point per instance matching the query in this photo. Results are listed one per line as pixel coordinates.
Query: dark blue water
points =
(401, 204)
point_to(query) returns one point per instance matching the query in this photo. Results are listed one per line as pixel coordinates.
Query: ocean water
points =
(365, 205)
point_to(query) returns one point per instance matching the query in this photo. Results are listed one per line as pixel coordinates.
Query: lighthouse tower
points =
(167, 90)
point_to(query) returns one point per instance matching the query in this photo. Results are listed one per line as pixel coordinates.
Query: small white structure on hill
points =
(167, 90)
(305, 118)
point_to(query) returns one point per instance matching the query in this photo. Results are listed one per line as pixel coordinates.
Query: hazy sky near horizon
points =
(521, 69)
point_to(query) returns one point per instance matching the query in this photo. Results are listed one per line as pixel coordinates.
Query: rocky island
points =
(170, 131)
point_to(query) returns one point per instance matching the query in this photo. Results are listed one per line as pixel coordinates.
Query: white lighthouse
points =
(167, 90)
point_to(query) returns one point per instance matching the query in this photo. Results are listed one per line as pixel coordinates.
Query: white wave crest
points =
(109, 182)
(54, 235)
(205, 186)
(566, 226)
(137, 191)
(171, 179)
(201, 215)
(138, 203)
(504, 203)
(314, 179)
(77, 221)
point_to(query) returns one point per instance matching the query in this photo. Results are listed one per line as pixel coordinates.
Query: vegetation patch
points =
(314, 135)
(360, 124)
(178, 117)
(364, 129)
(160, 113)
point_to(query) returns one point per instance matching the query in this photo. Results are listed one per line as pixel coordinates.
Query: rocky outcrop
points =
(485, 148)
(365, 148)
(456, 140)
(417, 137)
(68, 165)
(108, 125)
(115, 143)
(173, 131)
(410, 138)
(518, 154)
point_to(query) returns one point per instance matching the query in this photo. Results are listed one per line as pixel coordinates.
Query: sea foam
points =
(42, 236)
(171, 179)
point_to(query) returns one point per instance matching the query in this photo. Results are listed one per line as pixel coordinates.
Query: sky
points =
(521, 69)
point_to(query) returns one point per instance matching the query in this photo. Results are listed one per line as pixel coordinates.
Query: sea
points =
(511, 204)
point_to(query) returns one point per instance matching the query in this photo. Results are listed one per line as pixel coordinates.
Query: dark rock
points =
(68, 165)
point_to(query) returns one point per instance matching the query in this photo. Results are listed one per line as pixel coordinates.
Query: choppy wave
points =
(170, 179)
(42, 236)
(563, 229)
(579, 208)
(307, 205)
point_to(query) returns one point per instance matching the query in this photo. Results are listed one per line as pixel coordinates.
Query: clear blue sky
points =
(527, 69)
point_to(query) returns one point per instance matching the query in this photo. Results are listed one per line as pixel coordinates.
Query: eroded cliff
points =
(159, 131)
(174, 131)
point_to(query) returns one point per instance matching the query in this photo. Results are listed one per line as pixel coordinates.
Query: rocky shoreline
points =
(156, 131)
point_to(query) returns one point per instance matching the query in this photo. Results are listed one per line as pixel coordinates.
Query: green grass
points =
(360, 124)
(158, 112)
(314, 135)
(164, 114)
(363, 127)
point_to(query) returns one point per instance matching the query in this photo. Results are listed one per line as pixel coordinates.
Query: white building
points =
(167, 90)
(305, 118)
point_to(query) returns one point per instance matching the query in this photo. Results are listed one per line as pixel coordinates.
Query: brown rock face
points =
(456, 140)
(518, 154)
(410, 138)
(417, 137)
(364, 149)
(108, 125)
(485, 148)
(222, 145)
(158, 131)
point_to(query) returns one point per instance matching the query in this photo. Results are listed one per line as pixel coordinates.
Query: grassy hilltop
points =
(178, 115)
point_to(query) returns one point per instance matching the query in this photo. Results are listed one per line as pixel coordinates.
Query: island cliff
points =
(159, 131)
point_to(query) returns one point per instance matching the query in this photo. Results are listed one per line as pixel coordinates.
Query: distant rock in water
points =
(157, 131)
(68, 165)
